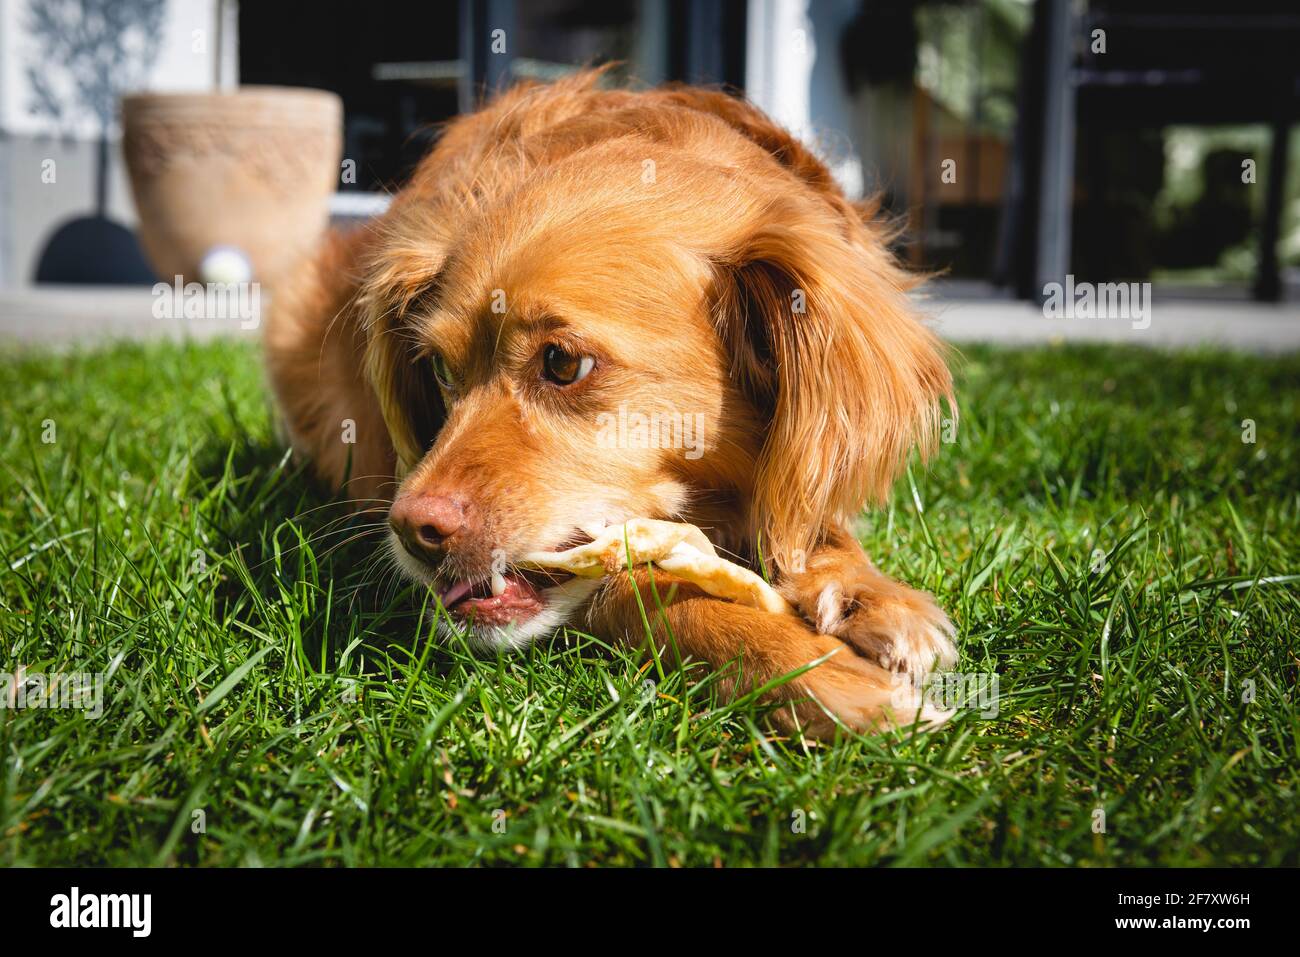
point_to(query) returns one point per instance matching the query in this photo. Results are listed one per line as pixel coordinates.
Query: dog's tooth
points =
(498, 583)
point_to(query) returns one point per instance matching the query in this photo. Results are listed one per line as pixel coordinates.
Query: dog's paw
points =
(845, 690)
(899, 628)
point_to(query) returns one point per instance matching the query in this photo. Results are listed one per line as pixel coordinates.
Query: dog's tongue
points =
(520, 600)
(454, 593)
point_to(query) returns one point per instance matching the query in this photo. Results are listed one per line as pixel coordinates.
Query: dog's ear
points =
(815, 313)
(411, 407)
(409, 402)
(404, 282)
(313, 337)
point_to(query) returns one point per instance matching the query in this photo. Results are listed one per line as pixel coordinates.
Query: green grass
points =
(289, 693)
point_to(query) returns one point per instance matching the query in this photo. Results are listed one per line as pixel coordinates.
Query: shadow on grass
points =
(301, 549)
(312, 567)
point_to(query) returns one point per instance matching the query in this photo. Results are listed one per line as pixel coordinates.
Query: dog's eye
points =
(565, 368)
(442, 372)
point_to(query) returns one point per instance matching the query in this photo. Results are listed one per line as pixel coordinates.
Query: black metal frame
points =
(1252, 75)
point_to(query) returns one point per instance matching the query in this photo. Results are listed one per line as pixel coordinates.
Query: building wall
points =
(32, 208)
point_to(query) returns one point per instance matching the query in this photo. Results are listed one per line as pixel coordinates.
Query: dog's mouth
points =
(503, 597)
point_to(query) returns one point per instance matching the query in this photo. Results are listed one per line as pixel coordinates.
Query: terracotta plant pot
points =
(251, 169)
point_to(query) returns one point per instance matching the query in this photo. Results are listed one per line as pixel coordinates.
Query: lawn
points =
(1109, 544)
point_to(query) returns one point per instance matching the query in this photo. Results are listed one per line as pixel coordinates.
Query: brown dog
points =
(591, 305)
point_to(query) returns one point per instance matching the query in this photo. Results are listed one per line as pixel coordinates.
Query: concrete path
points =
(1179, 323)
(63, 316)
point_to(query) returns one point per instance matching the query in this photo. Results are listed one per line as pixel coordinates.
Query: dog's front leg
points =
(751, 648)
(842, 594)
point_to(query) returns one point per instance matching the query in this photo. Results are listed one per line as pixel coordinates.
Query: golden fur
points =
(710, 266)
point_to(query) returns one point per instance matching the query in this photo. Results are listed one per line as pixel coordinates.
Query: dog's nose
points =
(424, 523)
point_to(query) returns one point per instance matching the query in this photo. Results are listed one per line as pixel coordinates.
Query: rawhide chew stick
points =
(676, 547)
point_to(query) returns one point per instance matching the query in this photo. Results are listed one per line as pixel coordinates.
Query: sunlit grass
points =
(1106, 541)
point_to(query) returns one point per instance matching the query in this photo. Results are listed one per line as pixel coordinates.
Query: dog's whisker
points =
(365, 531)
(549, 573)
(343, 544)
(336, 525)
(331, 547)
(379, 561)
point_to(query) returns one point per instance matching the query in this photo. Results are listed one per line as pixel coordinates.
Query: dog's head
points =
(653, 319)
